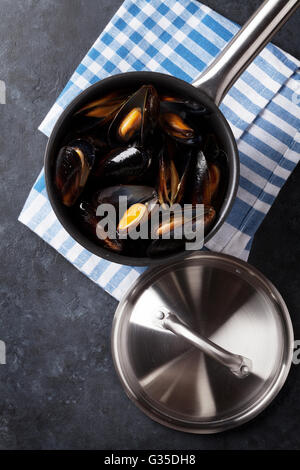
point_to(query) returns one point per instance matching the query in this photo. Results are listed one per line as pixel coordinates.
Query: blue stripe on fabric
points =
(284, 114)
(274, 130)
(163, 9)
(38, 217)
(262, 147)
(109, 66)
(40, 184)
(230, 26)
(296, 146)
(120, 24)
(134, 10)
(175, 70)
(192, 8)
(287, 164)
(217, 28)
(203, 42)
(244, 101)
(151, 51)
(82, 258)
(66, 246)
(165, 37)
(256, 190)
(270, 70)
(98, 269)
(93, 54)
(257, 86)
(256, 167)
(94, 79)
(190, 57)
(107, 39)
(52, 231)
(232, 117)
(136, 37)
(241, 207)
(178, 22)
(149, 23)
(282, 57)
(290, 94)
(118, 278)
(122, 52)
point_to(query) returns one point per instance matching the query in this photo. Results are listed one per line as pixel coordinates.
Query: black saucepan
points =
(208, 89)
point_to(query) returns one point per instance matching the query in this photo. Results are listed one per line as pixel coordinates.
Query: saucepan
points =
(208, 89)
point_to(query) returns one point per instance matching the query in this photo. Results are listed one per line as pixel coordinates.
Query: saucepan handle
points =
(219, 77)
(239, 365)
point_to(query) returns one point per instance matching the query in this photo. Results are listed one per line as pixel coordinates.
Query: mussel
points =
(172, 104)
(171, 234)
(136, 118)
(122, 165)
(180, 120)
(199, 182)
(171, 186)
(93, 225)
(168, 227)
(101, 110)
(73, 165)
(136, 218)
(179, 129)
(132, 194)
(132, 205)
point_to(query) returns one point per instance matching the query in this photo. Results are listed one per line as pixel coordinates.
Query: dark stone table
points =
(59, 388)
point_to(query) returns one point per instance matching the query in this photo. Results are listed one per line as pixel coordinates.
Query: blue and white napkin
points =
(263, 108)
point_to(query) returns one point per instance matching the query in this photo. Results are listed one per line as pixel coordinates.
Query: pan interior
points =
(174, 382)
(165, 84)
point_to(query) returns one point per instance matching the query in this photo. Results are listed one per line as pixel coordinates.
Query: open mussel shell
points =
(73, 166)
(172, 226)
(112, 243)
(136, 118)
(168, 179)
(134, 217)
(86, 215)
(122, 165)
(132, 206)
(130, 194)
(181, 119)
(103, 106)
(180, 128)
(199, 189)
(172, 104)
(93, 225)
(215, 184)
(172, 181)
(171, 235)
(98, 112)
(133, 194)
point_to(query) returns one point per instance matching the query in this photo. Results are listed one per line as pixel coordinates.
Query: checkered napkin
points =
(181, 38)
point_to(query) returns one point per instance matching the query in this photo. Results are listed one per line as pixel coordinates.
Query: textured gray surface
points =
(59, 388)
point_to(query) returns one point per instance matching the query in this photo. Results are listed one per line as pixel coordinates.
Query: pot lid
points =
(202, 344)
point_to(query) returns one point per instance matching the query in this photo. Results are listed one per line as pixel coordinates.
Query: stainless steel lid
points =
(203, 344)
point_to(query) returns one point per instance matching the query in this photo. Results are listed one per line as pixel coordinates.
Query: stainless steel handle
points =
(219, 77)
(238, 365)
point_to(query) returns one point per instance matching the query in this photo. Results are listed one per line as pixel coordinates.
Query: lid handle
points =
(219, 77)
(238, 365)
